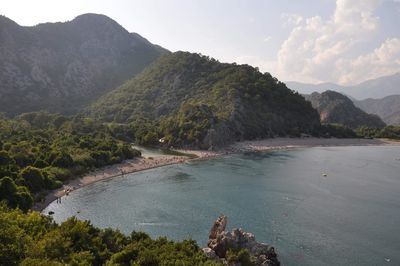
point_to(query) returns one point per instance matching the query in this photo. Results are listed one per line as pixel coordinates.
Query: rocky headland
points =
(237, 248)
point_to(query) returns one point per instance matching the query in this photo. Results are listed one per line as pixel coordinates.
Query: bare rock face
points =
(220, 242)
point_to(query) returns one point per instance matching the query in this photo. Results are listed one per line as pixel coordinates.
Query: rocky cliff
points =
(221, 243)
(63, 66)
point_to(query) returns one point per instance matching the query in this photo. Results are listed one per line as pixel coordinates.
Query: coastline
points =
(140, 164)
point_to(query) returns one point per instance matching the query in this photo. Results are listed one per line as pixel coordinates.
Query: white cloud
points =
(382, 61)
(320, 49)
(291, 19)
(267, 39)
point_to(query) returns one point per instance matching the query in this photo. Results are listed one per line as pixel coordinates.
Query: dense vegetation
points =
(38, 151)
(32, 239)
(189, 99)
(336, 130)
(334, 107)
(390, 132)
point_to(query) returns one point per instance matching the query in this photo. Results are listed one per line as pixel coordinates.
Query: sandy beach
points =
(139, 164)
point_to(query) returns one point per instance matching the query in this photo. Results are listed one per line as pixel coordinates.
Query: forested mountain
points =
(334, 107)
(198, 100)
(387, 108)
(63, 66)
(374, 88)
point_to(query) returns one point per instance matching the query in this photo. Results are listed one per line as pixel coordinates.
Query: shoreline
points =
(141, 164)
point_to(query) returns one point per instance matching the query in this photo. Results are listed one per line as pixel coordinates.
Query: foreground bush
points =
(34, 239)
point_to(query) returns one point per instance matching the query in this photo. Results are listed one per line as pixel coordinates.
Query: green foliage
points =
(34, 239)
(39, 151)
(32, 178)
(189, 125)
(241, 256)
(390, 132)
(193, 100)
(15, 196)
(367, 132)
(335, 130)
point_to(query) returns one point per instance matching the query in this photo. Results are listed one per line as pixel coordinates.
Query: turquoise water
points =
(349, 217)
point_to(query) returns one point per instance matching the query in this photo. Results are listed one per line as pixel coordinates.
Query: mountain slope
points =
(375, 88)
(334, 107)
(387, 108)
(63, 66)
(199, 100)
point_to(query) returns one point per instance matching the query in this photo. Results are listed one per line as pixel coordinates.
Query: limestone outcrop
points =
(220, 242)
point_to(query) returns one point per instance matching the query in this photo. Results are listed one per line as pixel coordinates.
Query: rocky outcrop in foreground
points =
(221, 242)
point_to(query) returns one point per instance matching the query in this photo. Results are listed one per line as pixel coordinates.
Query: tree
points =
(5, 158)
(63, 160)
(13, 195)
(33, 178)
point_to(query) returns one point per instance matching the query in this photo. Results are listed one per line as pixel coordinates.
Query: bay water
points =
(317, 206)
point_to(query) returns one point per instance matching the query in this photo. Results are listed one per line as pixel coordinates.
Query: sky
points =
(313, 41)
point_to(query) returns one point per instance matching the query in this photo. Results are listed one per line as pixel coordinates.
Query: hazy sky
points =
(343, 41)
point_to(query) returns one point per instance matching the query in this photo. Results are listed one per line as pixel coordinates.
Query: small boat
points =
(324, 174)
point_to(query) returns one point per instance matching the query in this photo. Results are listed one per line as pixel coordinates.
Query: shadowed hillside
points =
(334, 107)
(387, 108)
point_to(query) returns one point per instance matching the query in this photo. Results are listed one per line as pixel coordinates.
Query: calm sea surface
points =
(349, 217)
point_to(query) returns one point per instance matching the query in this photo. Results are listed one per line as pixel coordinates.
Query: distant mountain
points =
(305, 88)
(375, 88)
(200, 101)
(387, 108)
(63, 66)
(334, 107)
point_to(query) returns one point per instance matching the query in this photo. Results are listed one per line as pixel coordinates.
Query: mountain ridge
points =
(388, 108)
(373, 88)
(62, 66)
(336, 108)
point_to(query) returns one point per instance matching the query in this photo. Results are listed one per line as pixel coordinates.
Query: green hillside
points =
(189, 99)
